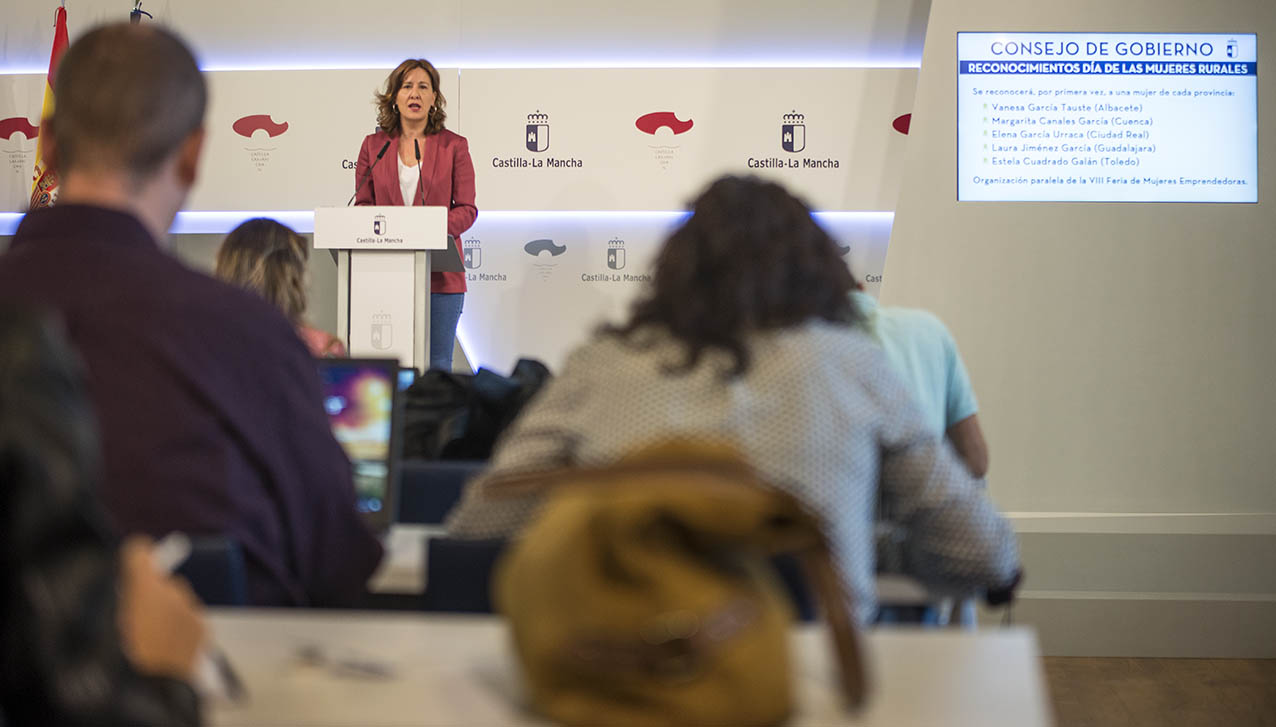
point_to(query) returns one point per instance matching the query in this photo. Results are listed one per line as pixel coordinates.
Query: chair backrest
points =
(459, 574)
(429, 489)
(215, 569)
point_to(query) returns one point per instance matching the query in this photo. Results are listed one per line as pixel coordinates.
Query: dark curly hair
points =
(388, 115)
(749, 259)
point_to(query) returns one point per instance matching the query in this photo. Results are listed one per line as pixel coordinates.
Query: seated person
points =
(923, 352)
(270, 259)
(746, 336)
(209, 406)
(89, 635)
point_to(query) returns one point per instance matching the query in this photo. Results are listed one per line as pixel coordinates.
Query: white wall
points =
(303, 33)
(1122, 353)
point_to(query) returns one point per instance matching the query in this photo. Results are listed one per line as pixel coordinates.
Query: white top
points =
(317, 668)
(408, 179)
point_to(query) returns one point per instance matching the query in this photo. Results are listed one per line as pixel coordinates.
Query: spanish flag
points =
(44, 183)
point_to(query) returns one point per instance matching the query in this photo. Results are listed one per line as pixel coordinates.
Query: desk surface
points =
(382, 669)
(402, 570)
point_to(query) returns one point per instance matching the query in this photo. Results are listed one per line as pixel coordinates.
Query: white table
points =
(459, 670)
(402, 569)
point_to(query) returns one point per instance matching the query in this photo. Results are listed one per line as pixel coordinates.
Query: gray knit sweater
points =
(818, 413)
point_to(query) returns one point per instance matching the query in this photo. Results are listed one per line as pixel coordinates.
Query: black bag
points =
(459, 416)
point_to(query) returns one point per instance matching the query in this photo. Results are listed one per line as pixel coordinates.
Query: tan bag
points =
(643, 593)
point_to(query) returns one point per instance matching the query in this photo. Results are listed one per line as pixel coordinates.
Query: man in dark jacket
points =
(209, 405)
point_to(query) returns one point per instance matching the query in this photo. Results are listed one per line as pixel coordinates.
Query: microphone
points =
(367, 173)
(420, 184)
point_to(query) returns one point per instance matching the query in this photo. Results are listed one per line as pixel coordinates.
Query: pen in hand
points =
(213, 675)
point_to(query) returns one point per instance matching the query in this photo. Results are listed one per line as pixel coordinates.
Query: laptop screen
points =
(360, 396)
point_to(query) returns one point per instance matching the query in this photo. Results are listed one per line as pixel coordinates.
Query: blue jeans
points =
(445, 311)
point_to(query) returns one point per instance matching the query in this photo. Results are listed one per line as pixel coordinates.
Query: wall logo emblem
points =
(17, 152)
(18, 125)
(544, 250)
(537, 132)
(1231, 48)
(473, 253)
(616, 253)
(378, 225)
(903, 123)
(536, 248)
(655, 121)
(793, 132)
(250, 126)
(382, 331)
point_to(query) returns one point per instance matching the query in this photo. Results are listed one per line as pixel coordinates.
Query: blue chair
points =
(429, 489)
(215, 570)
(458, 574)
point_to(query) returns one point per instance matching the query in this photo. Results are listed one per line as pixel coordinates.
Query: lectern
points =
(384, 258)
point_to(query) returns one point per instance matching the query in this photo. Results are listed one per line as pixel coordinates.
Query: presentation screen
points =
(1107, 117)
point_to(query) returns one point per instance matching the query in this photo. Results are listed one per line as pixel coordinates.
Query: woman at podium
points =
(429, 166)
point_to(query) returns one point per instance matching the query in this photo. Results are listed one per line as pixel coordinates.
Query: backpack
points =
(642, 593)
(460, 416)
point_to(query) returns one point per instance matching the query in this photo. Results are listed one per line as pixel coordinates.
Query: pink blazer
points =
(448, 180)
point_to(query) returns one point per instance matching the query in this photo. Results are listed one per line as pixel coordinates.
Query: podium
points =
(384, 258)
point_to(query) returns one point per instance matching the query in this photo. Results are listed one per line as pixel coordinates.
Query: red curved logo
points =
(249, 124)
(11, 126)
(650, 123)
(903, 123)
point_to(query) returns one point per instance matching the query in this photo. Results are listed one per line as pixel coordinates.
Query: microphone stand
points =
(367, 173)
(420, 183)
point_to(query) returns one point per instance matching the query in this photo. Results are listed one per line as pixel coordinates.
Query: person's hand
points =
(160, 620)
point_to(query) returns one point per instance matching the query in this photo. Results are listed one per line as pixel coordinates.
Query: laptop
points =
(361, 396)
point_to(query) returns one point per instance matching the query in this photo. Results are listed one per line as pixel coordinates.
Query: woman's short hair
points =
(388, 114)
(269, 258)
(750, 258)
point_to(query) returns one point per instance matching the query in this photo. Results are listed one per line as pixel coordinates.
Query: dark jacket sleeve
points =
(61, 660)
(335, 551)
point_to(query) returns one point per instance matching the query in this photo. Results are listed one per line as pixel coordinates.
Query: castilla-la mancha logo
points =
(655, 121)
(378, 225)
(616, 253)
(473, 253)
(259, 129)
(544, 250)
(537, 132)
(793, 132)
(382, 331)
(18, 151)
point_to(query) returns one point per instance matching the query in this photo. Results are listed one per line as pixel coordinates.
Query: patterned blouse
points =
(818, 413)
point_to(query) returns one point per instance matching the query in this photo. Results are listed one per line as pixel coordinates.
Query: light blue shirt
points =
(923, 352)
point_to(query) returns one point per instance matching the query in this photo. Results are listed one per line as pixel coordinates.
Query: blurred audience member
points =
(209, 405)
(924, 354)
(746, 336)
(270, 259)
(88, 636)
